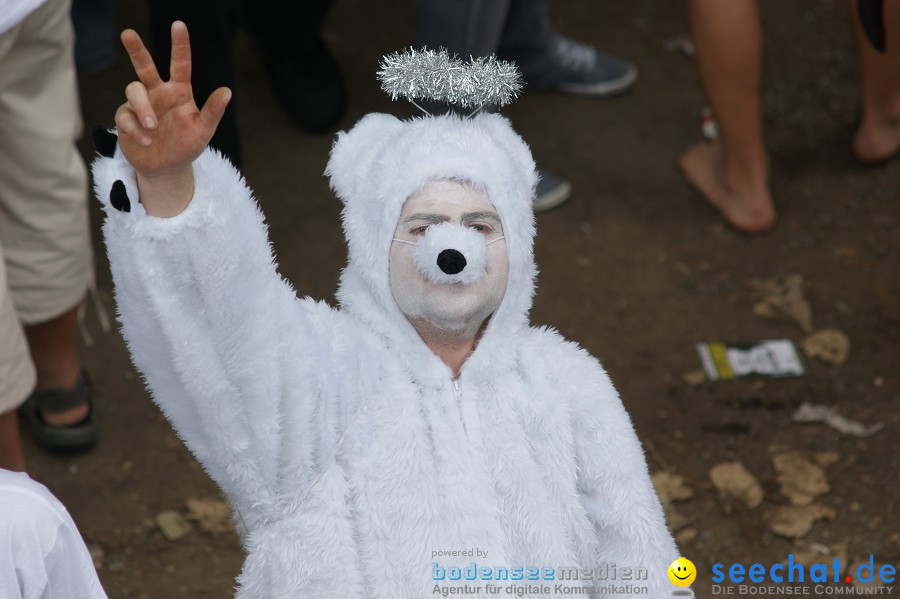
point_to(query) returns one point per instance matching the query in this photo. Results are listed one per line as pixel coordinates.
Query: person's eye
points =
(481, 227)
(420, 230)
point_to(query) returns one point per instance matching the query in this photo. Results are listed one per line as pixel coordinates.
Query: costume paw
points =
(118, 197)
(105, 141)
(114, 180)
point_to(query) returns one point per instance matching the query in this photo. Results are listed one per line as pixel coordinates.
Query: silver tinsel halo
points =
(434, 75)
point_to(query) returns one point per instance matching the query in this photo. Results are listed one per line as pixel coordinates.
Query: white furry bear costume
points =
(347, 448)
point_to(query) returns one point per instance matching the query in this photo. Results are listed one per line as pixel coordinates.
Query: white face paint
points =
(448, 263)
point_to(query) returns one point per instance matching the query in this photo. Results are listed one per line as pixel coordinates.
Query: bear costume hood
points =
(382, 161)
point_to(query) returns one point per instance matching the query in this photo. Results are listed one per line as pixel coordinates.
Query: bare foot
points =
(750, 211)
(877, 139)
(65, 417)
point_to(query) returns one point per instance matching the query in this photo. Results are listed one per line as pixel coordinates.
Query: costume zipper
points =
(458, 395)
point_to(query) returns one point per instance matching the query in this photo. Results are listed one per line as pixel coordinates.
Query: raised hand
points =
(161, 130)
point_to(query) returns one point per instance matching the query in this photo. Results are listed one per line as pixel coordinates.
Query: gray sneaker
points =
(551, 191)
(577, 68)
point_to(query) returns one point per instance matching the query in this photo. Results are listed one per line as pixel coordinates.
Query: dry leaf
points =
(764, 310)
(783, 299)
(808, 412)
(671, 487)
(795, 522)
(817, 553)
(675, 518)
(829, 345)
(212, 515)
(731, 478)
(694, 377)
(681, 44)
(844, 308)
(686, 535)
(97, 555)
(801, 480)
(825, 458)
(173, 525)
(850, 255)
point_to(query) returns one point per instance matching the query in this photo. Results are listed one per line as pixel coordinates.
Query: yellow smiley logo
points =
(682, 572)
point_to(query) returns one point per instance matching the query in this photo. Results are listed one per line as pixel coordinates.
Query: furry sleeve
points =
(217, 333)
(613, 480)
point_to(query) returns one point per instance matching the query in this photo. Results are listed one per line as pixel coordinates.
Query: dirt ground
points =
(636, 268)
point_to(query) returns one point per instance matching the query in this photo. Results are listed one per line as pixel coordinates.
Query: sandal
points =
(74, 437)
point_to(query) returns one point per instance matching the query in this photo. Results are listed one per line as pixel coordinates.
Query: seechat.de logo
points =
(797, 572)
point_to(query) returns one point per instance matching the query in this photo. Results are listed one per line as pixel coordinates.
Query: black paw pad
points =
(118, 197)
(104, 141)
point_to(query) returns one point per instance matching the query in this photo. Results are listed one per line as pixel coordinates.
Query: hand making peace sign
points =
(161, 130)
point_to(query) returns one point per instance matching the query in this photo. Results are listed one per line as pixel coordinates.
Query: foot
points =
(748, 210)
(577, 68)
(62, 380)
(61, 418)
(877, 139)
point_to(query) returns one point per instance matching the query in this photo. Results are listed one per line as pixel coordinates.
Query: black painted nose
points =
(451, 262)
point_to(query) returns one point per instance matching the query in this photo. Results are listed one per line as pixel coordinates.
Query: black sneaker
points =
(551, 191)
(577, 68)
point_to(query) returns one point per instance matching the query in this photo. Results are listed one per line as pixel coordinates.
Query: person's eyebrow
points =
(476, 215)
(430, 218)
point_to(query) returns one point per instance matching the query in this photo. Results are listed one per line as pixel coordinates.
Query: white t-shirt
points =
(41, 553)
(13, 12)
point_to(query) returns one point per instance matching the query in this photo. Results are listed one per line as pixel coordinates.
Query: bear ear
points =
(500, 130)
(354, 152)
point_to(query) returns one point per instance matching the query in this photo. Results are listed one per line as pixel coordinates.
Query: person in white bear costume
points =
(424, 415)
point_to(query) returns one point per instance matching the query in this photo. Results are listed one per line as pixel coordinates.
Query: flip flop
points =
(74, 437)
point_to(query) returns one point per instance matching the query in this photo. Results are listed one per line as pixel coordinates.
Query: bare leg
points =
(731, 174)
(52, 346)
(11, 456)
(878, 136)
